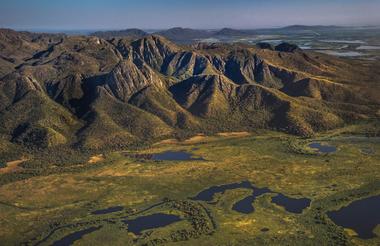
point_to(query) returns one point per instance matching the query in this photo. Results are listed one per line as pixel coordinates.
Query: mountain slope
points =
(89, 93)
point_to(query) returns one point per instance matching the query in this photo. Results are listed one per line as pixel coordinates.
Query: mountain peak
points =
(157, 40)
(180, 34)
(231, 32)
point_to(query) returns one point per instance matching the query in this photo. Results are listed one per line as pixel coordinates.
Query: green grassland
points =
(57, 199)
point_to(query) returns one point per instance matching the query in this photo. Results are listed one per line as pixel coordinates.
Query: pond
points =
(71, 238)
(108, 210)
(362, 216)
(207, 195)
(245, 205)
(136, 226)
(292, 205)
(322, 148)
(175, 156)
(168, 156)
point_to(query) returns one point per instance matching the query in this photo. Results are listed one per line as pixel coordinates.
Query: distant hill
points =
(232, 32)
(89, 93)
(133, 32)
(188, 35)
(298, 29)
(184, 34)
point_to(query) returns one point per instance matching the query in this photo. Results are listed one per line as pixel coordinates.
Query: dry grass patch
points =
(167, 141)
(96, 159)
(234, 134)
(12, 166)
(196, 139)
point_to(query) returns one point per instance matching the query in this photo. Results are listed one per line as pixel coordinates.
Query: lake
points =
(245, 205)
(71, 238)
(136, 226)
(362, 216)
(292, 205)
(207, 195)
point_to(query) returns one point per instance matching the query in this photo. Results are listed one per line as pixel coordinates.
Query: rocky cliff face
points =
(91, 93)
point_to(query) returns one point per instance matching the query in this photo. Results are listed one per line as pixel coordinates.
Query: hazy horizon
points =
(161, 29)
(198, 14)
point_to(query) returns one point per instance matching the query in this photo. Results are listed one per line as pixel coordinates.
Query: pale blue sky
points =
(116, 14)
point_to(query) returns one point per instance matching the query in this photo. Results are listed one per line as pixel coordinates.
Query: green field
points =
(53, 204)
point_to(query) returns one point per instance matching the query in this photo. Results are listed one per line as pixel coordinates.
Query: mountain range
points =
(188, 35)
(91, 93)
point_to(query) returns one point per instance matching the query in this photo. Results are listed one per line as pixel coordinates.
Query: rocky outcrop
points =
(154, 50)
(265, 46)
(287, 47)
(126, 79)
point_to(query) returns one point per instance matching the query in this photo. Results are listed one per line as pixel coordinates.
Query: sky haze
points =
(204, 14)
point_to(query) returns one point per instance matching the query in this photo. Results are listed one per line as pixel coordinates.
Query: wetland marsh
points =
(264, 188)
